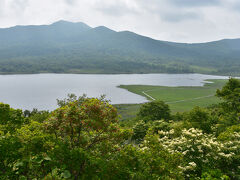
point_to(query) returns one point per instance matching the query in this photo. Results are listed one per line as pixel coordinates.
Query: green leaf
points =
(23, 178)
(40, 161)
(47, 158)
(55, 172)
(66, 174)
(19, 164)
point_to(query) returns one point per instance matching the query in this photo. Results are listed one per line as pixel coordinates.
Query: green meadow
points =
(179, 99)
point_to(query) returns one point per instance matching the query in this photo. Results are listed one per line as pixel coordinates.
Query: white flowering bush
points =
(231, 140)
(140, 129)
(159, 161)
(202, 151)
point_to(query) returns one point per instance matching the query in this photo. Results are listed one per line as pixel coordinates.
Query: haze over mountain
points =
(66, 47)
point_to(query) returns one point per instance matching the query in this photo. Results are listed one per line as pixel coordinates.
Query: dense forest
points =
(65, 47)
(83, 139)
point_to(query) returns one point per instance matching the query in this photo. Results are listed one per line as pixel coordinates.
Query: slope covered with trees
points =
(83, 139)
(65, 47)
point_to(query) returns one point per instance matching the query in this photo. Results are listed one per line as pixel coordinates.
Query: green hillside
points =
(65, 47)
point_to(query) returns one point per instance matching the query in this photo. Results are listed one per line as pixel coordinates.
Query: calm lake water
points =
(41, 90)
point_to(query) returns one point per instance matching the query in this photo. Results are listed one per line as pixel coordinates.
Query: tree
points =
(139, 131)
(10, 118)
(230, 93)
(140, 128)
(200, 118)
(228, 112)
(73, 122)
(85, 132)
(155, 110)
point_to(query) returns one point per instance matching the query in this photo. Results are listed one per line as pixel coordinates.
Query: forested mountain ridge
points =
(66, 47)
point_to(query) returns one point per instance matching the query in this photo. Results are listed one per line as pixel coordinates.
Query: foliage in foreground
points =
(82, 139)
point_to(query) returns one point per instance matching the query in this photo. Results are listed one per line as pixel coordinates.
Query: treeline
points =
(79, 64)
(112, 64)
(83, 139)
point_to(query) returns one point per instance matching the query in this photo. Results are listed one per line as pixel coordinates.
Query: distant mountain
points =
(66, 47)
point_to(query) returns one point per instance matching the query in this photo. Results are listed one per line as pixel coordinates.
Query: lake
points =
(41, 90)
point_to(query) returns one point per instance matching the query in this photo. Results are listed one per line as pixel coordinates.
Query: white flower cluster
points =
(190, 166)
(197, 147)
(166, 133)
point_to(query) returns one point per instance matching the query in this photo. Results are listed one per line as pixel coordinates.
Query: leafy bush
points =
(155, 110)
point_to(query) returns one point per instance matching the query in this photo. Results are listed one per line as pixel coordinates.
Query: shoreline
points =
(119, 73)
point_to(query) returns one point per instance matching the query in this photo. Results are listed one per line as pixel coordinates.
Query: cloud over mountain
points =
(175, 20)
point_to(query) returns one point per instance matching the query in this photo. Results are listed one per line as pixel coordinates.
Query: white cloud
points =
(173, 20)
(195, 3)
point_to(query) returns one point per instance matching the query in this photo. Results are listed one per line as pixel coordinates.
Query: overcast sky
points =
(172, 20)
